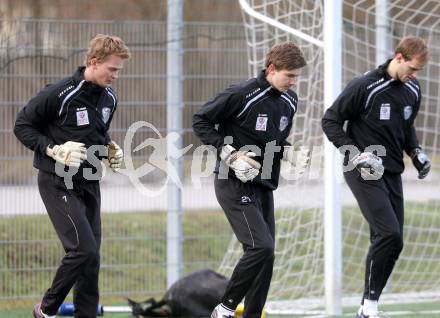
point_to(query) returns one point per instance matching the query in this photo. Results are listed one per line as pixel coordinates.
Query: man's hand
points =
(115, 156)
(421, 162)
(245, 168)
(70, 154)
(299, 158)
(369, 165)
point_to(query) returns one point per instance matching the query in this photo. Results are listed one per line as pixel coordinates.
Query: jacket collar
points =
(78, 76)
(382, 69)
(261, 79)
(263, 83)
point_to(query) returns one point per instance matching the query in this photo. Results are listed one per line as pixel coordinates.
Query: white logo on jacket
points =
(82, 117)
(407, 112)
(106, 112)
(253, 93)
(65, 90)
(385, 112)
(261, 123)
(284, 121)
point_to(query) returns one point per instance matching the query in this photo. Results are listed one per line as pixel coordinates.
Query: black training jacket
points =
(71, 109)
(380, 111)
(253, 113)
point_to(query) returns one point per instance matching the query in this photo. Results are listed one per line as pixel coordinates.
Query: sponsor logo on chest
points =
(82, 117)
(261, 123)
(385, 111)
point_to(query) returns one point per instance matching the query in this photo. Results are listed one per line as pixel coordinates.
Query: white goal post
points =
(311, 276)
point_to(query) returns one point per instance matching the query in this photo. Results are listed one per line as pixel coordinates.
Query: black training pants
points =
(75, 215)
(381, 203)
(250, 211)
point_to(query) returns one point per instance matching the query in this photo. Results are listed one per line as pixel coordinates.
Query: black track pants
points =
(381, 203)
(250, 211)
(75, 215)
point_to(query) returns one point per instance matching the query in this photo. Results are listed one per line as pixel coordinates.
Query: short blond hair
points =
(103, 45)
(413, 47)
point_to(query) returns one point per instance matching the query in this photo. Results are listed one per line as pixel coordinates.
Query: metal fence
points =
(36, 52)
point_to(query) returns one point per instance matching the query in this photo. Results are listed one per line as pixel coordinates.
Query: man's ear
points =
(93, 62)
(399, 57)
(270, 68)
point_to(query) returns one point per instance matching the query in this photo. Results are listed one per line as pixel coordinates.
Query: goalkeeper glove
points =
(299, 158)
(421, 162)
(115, 156)
(369, 165)
(70, 154)
(245, 168)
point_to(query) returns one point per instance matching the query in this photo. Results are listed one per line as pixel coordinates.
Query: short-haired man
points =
(59, 124)
(380, 107)
(254, 119)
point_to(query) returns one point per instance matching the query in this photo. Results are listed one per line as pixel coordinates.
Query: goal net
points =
(298, 279)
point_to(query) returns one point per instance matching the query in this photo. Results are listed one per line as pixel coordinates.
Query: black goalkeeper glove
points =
(421, 162)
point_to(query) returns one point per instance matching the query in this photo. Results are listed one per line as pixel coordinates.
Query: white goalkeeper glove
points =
(115, 156)
(369, 165)
(421, 162)
(70, 154)
(299, 158)
(245, 168)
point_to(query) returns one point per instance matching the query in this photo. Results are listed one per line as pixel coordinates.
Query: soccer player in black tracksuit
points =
(59, 124)
(380, 108)
(254, 120)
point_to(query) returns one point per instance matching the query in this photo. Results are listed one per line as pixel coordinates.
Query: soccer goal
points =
(370, 29)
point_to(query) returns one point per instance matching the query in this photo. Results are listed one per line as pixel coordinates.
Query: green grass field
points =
(133, 252)
(419, 310)
(135, 244)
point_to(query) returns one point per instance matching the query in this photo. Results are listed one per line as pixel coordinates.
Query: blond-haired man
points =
(61, 124)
